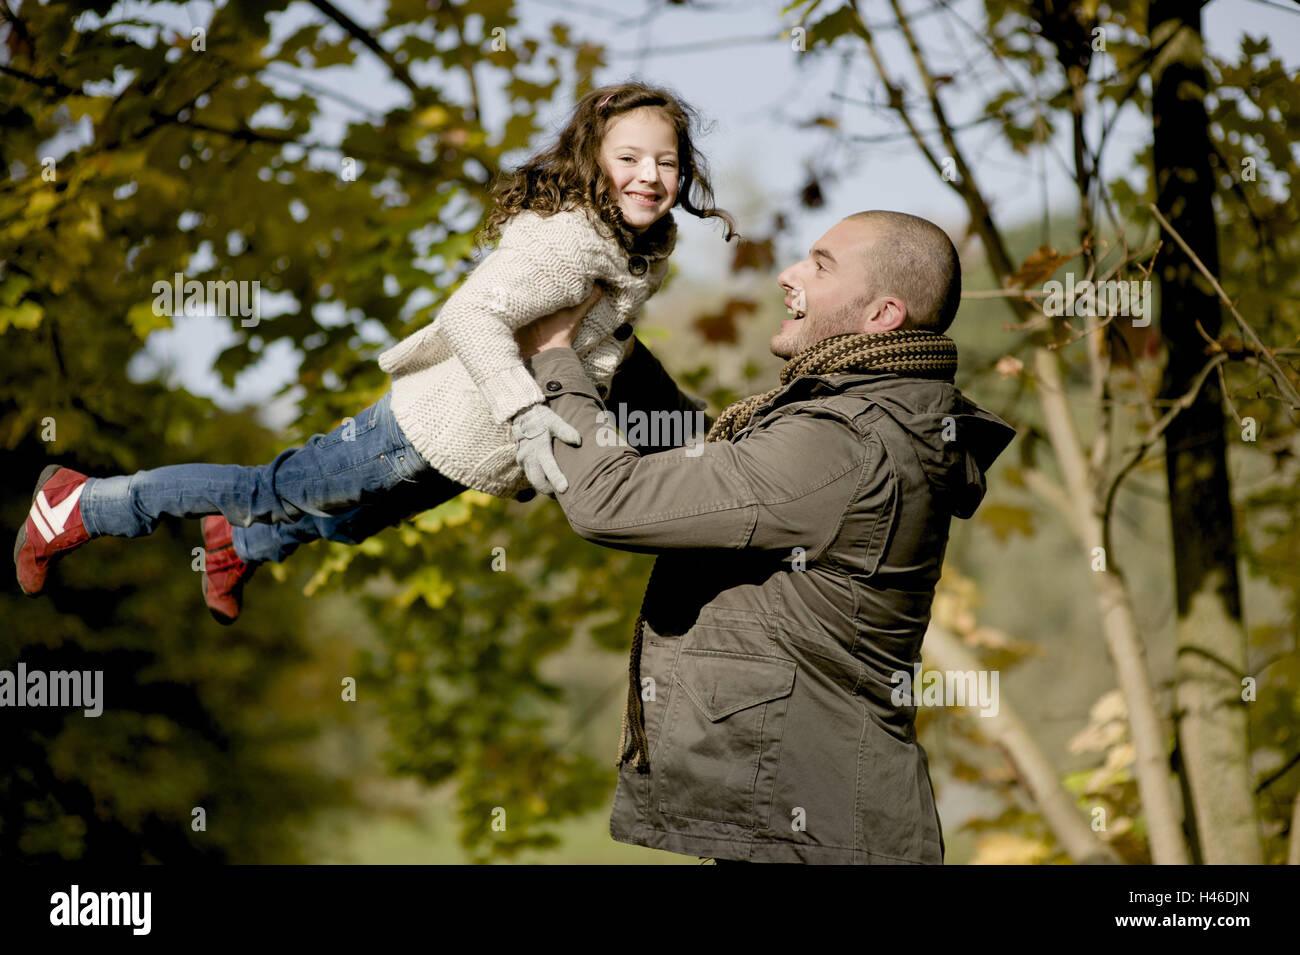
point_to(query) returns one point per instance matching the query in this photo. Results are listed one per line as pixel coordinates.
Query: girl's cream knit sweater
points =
(459, 380)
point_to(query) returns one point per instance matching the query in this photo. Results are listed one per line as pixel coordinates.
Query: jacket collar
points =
(925, 409)
(812, 386)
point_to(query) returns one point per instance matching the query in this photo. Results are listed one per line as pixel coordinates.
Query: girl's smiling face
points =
(639, 155)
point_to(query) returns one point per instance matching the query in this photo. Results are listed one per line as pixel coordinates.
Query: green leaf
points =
(831, 27)
(429, 585)
(24, 315)
(13, 288)
(143, 319)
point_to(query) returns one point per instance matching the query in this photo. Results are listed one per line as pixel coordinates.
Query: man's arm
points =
(642, 385)
(786, 484)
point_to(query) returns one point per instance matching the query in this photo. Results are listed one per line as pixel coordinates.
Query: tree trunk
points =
(1293, 853)
(1209, 714)
(1118, 624)
(1007, 730)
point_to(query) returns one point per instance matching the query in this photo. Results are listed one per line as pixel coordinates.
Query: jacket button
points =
(623, 332)
(637, 265)
(527, 494)
(553, 385)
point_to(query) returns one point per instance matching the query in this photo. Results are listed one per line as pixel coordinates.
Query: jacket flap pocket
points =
(724, 683)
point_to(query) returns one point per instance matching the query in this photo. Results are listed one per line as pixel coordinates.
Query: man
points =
(799, 549)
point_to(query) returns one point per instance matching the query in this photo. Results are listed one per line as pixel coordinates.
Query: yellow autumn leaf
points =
(23, 315)
(143, 319)
(432, 117)
(1037, 268)
(1006, 521)
(1005, 848)
(427, 585)
(41, 202)
(93, 106)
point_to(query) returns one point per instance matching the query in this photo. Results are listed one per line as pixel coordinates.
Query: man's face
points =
(829, 290)
(639, 154)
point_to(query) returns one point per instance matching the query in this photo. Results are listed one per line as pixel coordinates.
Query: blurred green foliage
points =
(135, 150)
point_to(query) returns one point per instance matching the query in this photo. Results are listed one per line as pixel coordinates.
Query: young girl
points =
(463, 410)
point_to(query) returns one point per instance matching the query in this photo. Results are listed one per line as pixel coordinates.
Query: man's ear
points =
(885, 314)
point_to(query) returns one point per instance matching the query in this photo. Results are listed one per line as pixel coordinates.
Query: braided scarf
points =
(912, 353)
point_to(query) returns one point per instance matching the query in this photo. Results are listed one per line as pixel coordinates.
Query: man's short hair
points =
(913, 259)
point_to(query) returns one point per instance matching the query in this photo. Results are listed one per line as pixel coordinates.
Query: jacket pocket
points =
(722, 738)
(895, 818)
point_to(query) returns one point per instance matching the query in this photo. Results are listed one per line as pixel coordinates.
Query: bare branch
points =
(1227, 396)
(895, 93)
(45, 82)
(1283, 382)
(1150, 438)
(362, 35)
(964, 185)
(1054, 494)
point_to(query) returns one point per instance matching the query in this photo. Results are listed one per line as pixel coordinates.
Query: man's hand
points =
(556, 330)
(532, 429)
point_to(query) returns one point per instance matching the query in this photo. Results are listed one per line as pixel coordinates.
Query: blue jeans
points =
(343, 486)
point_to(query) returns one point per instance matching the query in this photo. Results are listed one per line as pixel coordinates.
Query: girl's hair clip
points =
(601, 104)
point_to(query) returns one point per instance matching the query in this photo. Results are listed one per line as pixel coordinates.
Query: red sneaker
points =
(53, 526)
(224, 574)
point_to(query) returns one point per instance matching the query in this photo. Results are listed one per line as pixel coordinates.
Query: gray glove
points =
(532, 429)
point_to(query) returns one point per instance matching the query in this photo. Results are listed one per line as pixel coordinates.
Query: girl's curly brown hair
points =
(569, 173)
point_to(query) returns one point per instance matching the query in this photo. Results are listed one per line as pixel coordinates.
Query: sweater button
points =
(623, 332)
(637, 265)
(553, 385)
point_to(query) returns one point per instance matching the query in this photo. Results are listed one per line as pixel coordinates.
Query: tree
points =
(138, 147)
(1211, 715)
(1050, 46)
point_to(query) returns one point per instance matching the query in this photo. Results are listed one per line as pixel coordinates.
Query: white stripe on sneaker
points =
(39, 520)
(58, 515)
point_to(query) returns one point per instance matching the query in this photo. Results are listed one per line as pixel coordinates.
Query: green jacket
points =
(796, 573)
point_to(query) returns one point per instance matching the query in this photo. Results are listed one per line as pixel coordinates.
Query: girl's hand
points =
(533, 428)
(556, 330)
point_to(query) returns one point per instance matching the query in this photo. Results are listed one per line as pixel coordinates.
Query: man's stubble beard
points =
(846, 321)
